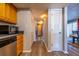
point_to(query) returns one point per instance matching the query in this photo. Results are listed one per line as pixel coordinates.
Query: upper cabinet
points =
(2, 11)
(7, 13)
(13, 14)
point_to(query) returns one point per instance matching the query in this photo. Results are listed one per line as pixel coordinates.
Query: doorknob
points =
(59, 32)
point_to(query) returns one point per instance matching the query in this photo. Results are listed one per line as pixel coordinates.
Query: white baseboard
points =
(26, 50)
(65, 52)
(49, 50)
(45, 45)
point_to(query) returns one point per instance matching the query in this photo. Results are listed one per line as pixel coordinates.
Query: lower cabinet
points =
(19, 46)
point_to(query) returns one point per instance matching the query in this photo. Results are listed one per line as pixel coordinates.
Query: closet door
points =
(56, 29)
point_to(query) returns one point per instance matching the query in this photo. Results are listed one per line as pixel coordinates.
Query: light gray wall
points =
(49, 31)
(4, 23)
(24, 21)
(73, 11)
(65, 30)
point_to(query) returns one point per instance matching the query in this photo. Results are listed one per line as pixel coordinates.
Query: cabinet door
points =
(2, 11)
(13, 14)
(19, 43)
(7, 13)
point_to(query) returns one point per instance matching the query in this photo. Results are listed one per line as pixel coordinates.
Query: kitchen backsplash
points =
(2, 23)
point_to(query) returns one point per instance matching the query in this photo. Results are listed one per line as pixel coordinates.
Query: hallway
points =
(39, 49)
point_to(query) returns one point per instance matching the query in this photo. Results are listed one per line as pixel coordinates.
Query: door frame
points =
(64, 23)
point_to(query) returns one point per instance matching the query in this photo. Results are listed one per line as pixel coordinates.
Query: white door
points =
(56, 29)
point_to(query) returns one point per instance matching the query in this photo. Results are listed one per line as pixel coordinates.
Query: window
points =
(74, 26)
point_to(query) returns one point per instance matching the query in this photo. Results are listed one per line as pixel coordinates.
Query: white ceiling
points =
(38, 8)
(40, 5)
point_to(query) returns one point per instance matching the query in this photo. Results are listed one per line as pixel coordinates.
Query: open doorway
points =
(73, 30)
(39, 30)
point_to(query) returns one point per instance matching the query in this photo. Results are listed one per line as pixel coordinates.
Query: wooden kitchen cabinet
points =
(19, 46)
(7, 13)
(13, 14)
(2, 12)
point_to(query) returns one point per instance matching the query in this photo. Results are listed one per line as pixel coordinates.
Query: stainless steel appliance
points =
(8, 46)
(8, 29)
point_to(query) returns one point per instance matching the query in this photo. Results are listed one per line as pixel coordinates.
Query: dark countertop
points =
(9, 35)
(6, 39)
(5, 36)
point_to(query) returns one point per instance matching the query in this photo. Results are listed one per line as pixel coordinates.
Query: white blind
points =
(74, 26)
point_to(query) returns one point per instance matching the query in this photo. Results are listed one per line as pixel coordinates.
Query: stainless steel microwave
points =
(8, 29)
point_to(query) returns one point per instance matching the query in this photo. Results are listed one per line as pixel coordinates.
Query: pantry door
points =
(56, 29)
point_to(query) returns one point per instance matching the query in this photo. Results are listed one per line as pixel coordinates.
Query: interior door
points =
(56, 29)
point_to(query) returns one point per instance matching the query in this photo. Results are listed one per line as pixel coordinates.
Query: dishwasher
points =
(8, 46)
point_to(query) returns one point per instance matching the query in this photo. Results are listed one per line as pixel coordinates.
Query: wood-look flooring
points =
(74, 44)
(73, 49)
(39, 49)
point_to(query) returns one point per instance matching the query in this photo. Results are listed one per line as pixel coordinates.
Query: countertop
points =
(5, 36)
(9, 35)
